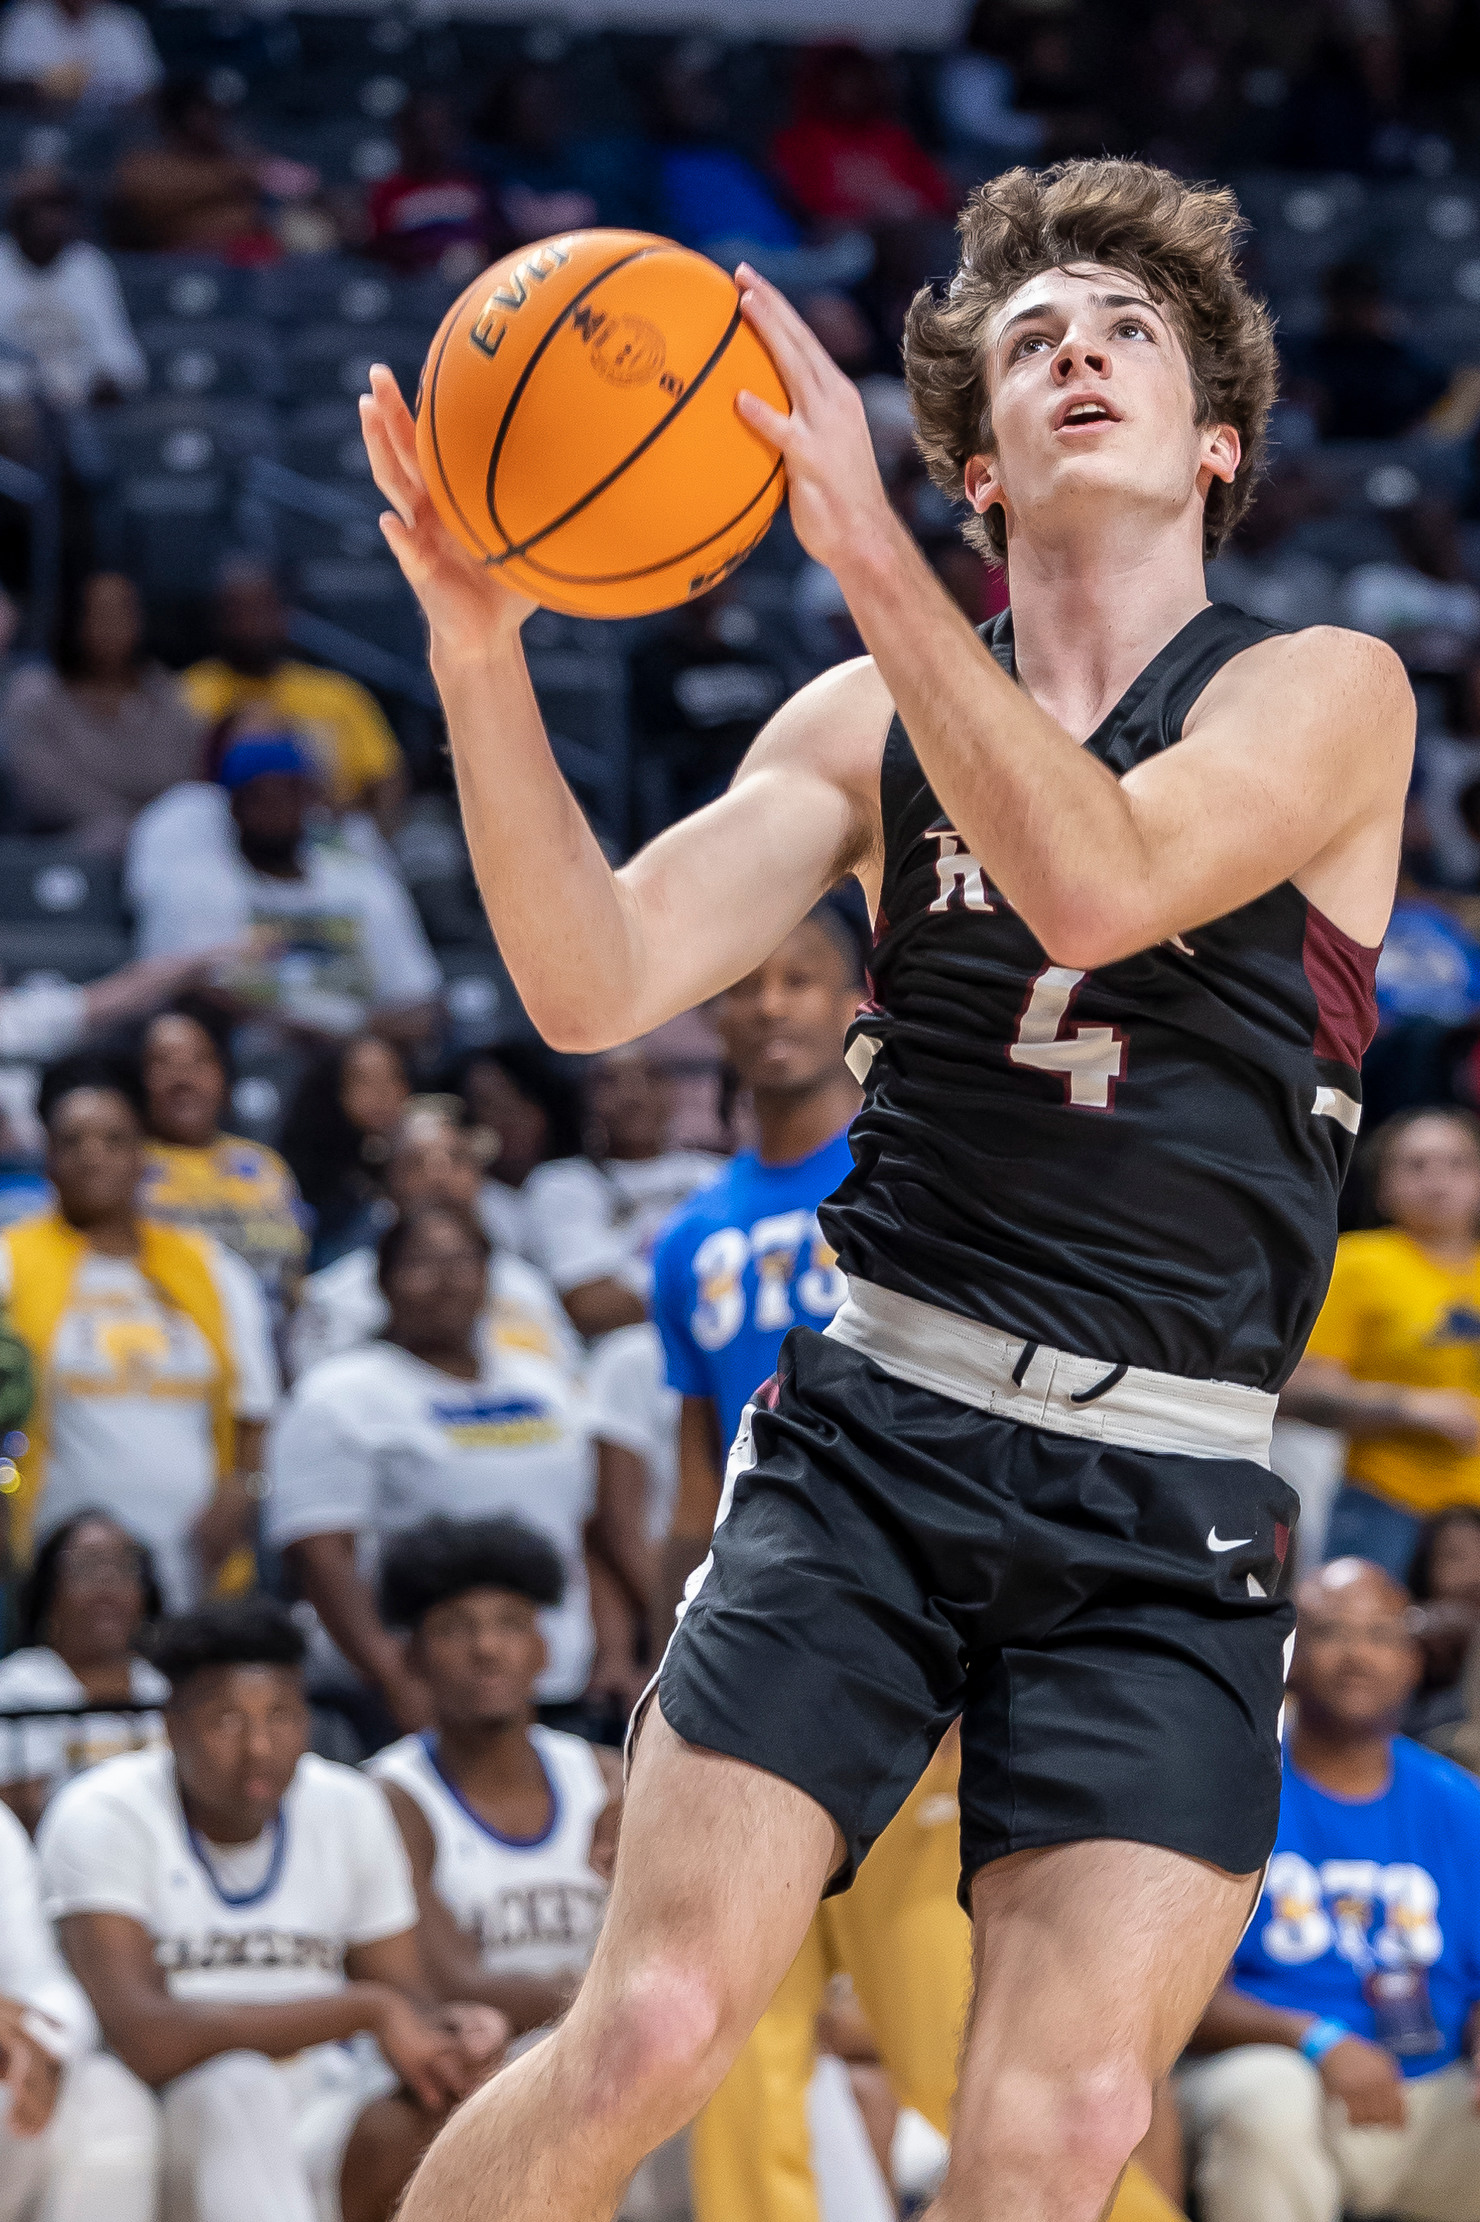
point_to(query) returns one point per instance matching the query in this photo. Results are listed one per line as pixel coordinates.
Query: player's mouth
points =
(1079, 412)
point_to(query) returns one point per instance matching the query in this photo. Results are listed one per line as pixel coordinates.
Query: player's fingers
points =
(799, 355)
(401, 541)
(399, 422)
(385, 465)
(773, 425)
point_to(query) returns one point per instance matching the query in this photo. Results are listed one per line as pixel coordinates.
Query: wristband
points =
(1322, 2037)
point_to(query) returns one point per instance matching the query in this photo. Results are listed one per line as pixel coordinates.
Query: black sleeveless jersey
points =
(1140, 1163)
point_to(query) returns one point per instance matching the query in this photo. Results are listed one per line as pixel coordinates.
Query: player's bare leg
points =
(718, 1876)
(1093, 1964)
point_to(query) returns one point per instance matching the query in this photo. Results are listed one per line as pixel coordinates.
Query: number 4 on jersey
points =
(1088, 1059)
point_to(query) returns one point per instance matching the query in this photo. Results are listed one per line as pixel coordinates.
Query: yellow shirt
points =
(1393, 1313)
(340, 722)
(242, 1193)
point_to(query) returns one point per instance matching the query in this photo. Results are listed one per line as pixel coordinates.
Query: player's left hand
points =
(481, 2034)
(838, 502)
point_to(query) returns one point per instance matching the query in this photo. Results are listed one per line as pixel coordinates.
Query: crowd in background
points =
(368, 1372)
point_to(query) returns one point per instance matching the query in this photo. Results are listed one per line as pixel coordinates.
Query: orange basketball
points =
(576, 423)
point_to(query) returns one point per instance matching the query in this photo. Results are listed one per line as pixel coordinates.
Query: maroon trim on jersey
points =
(1343, 979)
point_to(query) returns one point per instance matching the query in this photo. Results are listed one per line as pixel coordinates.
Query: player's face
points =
(94, 1155)
(783, 1024)
(1356, 1661)
(631, 1102)
(1431, 1181)
(238, 1733)
(437, 1167)
(98, 1602)
(438, 1287)
(1092, 409)
(183, 1081)
(1454, 1562)
(480, 1654)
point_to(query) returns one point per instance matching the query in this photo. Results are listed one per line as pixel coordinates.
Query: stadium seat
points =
(212, 357)
(186, 437)
(184, 288)
(481, 1000)
(324, 442)
(335, 358)
(46, 882)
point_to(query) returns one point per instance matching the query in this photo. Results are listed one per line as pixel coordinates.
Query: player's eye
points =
(1030, 341)
(1134, 326)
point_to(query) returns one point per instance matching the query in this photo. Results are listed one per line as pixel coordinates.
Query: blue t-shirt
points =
(738, 1265)
(1354, 1888)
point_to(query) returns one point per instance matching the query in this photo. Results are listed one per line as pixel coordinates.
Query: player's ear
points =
(983, 486)
(1222, 452)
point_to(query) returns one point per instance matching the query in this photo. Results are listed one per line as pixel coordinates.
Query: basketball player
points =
(509, 1827)
(1131, 858)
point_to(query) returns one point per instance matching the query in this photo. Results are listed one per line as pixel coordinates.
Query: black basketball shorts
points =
(1104, 1620)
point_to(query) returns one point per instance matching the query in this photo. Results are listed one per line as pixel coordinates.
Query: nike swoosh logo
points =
(1216, 1542)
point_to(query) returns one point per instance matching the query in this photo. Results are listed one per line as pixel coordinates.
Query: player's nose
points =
(1073, 357)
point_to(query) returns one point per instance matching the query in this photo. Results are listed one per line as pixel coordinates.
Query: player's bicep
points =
(712, 896)
(1294, 747)
(113, 1958)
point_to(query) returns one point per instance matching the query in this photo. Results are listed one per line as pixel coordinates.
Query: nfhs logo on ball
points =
(577, 424)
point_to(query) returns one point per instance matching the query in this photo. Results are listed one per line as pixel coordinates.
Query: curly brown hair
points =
(1179, 241)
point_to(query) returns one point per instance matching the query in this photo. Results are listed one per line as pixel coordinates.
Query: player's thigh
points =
(1094, 1959)
(720, 1866)
(24, 2164)
(385, 2143)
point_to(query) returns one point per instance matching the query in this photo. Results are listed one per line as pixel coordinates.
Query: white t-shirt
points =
(504, 1212)
(350, 940)
(588, 1222)
(70, 317)
(341, 1306)
(128, 1391)
(373, 1441)
(632, 1404)
(337, 1875)
(534, 1904)
(111, 43)
(31, 1967)
(55, 1751)
(42, 1019)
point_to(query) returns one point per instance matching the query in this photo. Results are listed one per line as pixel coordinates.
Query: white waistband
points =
(1040, 1387)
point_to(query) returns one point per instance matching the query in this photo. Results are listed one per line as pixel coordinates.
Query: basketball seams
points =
(638, 254)
(431, 417)
(665, 563)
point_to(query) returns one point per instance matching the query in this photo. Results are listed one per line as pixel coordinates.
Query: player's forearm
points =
(1325, 1395)
(678, 1557)
(558, 915)
(159, 2037)
(1234, 2018)
(326, 1574)
(1050, 824)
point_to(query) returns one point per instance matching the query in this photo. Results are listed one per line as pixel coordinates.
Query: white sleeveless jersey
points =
(116, 1841)
(534, 1904)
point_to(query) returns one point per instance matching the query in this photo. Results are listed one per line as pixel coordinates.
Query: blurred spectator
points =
(1361, 382)
(637, 1413)
(1346, 108)
(522, 1108)
(542, 175)
(1260, 570)
(196, 189)
(846, 157)
(60, 298)
(1424, 605)
(89, 743)
(337, 1139)
(1445, 1581)
(85, 1602)
(78, 50)
(744, 1260)
(714, 197)
(510, 1829)
(427, 1420)
(593, 1219)
(1430, 965)
(77, 2136)
(238, 1910)
(431, 213)
(252, 677)
(151, 1347)
(703, 684)
(430, 1161)
(1332, 2072)
(1393, 1360)
(342, 945)
(975, 95)
(219, 1184)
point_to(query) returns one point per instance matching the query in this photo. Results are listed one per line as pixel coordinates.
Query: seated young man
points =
(511, 1828)
(238, 1911)
(78, 2139)
(1358, 1979)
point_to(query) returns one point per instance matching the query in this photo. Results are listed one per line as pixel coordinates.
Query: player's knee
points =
(661, 2036)
(235, 2092)
(111, 2119)
(1083, 2122)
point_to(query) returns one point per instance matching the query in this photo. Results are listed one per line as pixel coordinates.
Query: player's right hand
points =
(1452, 1414)
(428, 2060)
(27, 2071)
(1368, 2083)
(467, 606)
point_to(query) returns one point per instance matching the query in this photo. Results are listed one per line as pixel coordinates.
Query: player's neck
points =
(490, 1764)
(792, 1124)
(1349, 1763)
(1091, 609)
